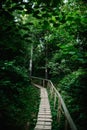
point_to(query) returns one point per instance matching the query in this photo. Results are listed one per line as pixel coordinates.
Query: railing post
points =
(27, 126)
(48, 84)
(43, 83)
(59, 110)
(51, 91)
(66, 124)
(54, 100)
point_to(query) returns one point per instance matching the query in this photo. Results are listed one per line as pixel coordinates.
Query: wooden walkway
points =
(44, 119)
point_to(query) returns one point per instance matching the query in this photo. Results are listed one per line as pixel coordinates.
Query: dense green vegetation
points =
(18, 99)
(56, 30)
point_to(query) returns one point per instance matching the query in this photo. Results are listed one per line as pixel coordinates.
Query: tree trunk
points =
(30, 66)
(46, 62)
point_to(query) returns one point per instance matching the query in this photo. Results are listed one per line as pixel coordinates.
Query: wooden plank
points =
(39, 127)
(43, 128)
(46, 104)
(44, 119)
(48, 127)
(48, 123)
(43, 123)
(40, 123)
(45, 112)
(44, 116)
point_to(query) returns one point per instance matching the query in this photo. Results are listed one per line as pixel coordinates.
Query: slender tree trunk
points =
(46, 62)
(31, 57)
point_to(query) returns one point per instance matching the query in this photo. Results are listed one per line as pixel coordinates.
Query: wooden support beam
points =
(66, 124)
(55, 100)
(43, 83)
(59, 110)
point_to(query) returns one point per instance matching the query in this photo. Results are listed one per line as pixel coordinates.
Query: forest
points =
(47, 39)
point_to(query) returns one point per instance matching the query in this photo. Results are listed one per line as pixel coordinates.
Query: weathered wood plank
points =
(44, 116)
(43, 123)
(44, 119)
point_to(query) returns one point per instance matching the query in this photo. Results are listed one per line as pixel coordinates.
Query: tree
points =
(16, 107)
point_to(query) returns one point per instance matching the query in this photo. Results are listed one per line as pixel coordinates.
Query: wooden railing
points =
(62, 109)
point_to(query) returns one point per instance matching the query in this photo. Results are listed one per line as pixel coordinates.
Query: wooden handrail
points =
(65, 110)
(33, 77)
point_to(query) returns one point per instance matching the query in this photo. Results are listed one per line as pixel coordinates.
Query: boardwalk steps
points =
(44, 119)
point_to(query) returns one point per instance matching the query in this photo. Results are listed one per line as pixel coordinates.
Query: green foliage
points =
(57, 31)
(73, 89)
(65, 37)
(18, 99)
